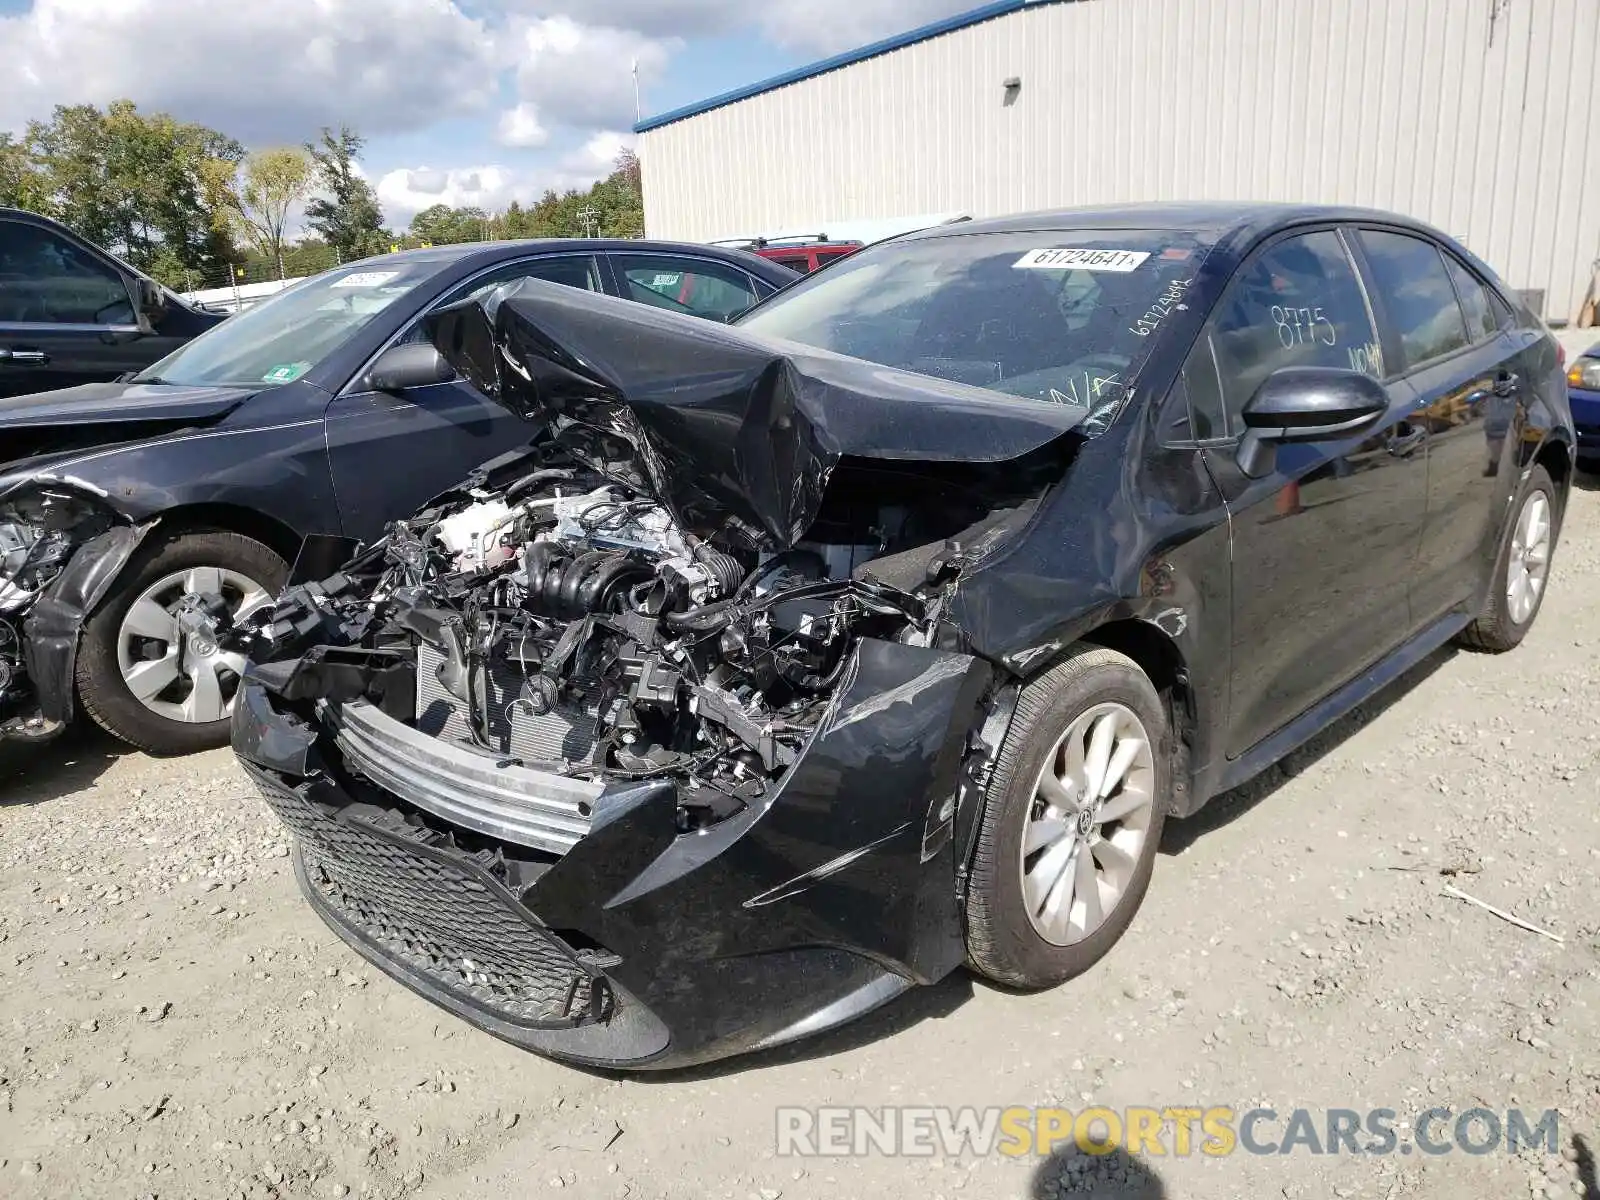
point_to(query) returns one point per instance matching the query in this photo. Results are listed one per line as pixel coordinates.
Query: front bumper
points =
(586, 927)
(1586, 421)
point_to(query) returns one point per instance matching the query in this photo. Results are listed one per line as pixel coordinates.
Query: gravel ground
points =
(175, 1022)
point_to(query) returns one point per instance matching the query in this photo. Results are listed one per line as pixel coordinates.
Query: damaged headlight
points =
(39, 530)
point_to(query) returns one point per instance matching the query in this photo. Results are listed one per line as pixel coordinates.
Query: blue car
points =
(1583, 386)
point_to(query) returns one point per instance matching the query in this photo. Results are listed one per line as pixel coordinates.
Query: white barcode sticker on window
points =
(364, 279)
(1072, 259)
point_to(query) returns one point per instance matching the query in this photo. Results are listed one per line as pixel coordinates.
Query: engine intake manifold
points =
(568, 587)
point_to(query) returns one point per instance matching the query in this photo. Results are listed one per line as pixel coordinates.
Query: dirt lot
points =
(175, 1022)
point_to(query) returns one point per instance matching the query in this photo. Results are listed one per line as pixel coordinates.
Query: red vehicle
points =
(804, 254)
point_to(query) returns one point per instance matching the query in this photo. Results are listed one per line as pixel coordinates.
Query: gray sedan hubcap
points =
(1086, 829)
(1529, 564)
(184, 677)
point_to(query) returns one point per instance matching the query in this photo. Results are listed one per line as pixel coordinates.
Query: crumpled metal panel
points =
(732, 431)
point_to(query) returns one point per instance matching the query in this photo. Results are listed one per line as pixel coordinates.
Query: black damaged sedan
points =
(797, 663)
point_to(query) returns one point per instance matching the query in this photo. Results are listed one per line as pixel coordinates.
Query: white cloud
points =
(520, 127)
(405, 192)
(263, 72)
(582, 75)
(598, 156)
(667, 18)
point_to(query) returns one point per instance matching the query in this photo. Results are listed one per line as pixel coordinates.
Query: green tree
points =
(515, 222)
(22, 183)
(143, 186)
(442, 225)
(347, 216)
(273, 181)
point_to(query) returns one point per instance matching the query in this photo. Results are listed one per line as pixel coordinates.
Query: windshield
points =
(282, 338)
(1063, 316)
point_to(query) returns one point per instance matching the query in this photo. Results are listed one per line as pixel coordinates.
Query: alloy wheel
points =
(1092, 808)
(186, 678)
(1529, 562)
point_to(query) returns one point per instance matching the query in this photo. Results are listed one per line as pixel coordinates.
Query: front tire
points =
(1072, 822)
(1522, 570)
(138, 676)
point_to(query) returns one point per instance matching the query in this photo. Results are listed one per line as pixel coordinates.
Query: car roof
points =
(485, 253)
(23, 214)
(1219, 219)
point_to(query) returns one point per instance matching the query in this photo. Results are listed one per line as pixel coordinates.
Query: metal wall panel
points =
(1488, 129)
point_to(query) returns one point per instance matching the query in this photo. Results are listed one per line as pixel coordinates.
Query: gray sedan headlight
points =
(39, 530)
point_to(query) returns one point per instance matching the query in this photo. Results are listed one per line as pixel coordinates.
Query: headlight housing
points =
(1585, 374)
(40, 527)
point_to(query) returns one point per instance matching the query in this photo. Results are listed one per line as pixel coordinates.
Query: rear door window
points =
(1411, 283)
(45, 279)
(1297, 303)
(693, 285)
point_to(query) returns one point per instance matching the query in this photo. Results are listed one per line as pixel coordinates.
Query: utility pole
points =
(591, 221)
(638, 109)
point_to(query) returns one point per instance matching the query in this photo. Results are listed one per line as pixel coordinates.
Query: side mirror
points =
(1307, 404)
(414, 365)
(149, 298)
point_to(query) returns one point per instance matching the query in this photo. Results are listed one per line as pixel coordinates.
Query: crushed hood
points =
(725, 427)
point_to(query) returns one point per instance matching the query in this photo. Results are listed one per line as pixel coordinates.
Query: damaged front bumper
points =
(574, 918)
(39, 644)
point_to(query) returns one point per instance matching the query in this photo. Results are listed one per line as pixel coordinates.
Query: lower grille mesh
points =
(568, 733)
(438, 918)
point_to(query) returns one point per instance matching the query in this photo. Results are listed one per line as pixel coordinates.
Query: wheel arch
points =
(252, 523)
(1160, 657)
(1555, 455)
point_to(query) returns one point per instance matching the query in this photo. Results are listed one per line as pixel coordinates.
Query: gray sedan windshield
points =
(1063, 316)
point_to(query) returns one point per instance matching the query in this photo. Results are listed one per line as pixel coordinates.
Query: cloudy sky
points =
(462, 101)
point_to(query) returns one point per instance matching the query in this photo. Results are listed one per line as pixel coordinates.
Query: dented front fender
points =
(54, 625)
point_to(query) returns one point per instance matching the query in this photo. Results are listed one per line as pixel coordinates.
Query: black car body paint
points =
(810, 864)
(278, 463)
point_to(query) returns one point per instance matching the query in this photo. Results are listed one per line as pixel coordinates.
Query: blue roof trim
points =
(976, 16)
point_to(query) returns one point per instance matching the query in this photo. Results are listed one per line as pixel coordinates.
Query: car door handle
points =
(1404, 444)
(24, 358)
(1506, 384)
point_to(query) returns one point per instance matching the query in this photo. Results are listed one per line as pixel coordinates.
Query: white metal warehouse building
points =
(1479, 116)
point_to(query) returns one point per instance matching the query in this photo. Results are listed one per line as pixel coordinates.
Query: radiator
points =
(566, 733)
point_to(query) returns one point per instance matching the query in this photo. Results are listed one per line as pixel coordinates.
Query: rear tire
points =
(1506, 618)
(1022, 930)
(245, 569)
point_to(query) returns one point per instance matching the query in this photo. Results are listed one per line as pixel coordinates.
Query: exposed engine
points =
(567, 622)
(39, 530)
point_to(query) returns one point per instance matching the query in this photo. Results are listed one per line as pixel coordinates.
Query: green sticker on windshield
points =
(286, 372)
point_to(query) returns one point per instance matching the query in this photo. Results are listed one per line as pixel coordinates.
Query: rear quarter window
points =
(1482, 319)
